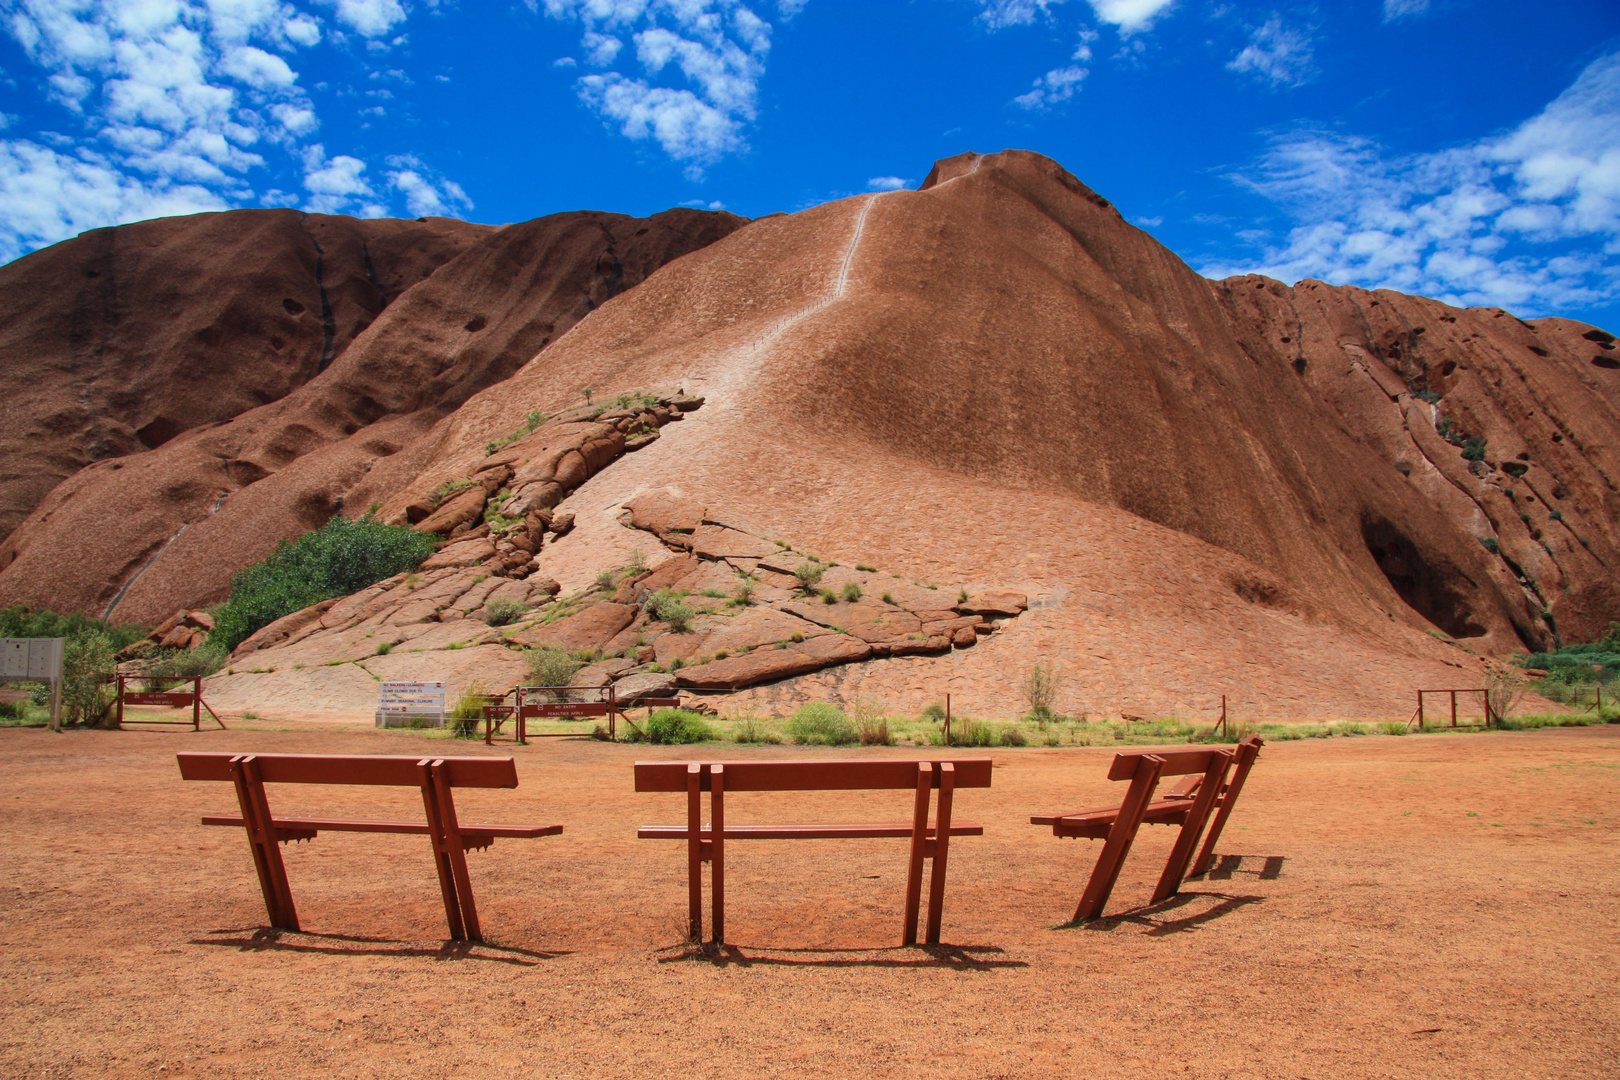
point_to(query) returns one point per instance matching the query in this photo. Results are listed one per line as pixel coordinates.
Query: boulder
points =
(462, 508)
(200, 619)
(600, 672)
(533, 499)
(460, 554)
(664, 512)
(667, 648)
(588, 629)
(751, 669)
(562, 522)
(283, 628)
(994, 603)
(964, 637)
(719, 542)
(645, 684)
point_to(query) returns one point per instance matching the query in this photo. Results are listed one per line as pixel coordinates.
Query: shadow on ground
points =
(266, 939)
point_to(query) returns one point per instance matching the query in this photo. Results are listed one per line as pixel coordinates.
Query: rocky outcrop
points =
(696, 621)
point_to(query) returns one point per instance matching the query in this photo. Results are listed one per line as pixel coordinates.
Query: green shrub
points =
(966, 731)
(752, 730)
(673, 727)
(504, 610)
(820, 724)
(875, 733)
(851, 592)
(467, 712)
(87, 661)
(828, 596)
(866, 569)
(25, 622)
(339, 558)
(606, 579)
(1013, 737)
(809, 575)
(745, 592)
(188, 663)
(1491, 544)
(1474, 448)
(666, 607)
(1041, 688)
(550, 667)
(934, 712)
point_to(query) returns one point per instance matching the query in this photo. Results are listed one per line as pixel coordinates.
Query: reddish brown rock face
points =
(303, 437)
(590, 629)
(121, 339)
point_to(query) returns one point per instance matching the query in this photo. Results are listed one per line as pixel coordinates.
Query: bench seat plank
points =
(805, 832)
(414, 828)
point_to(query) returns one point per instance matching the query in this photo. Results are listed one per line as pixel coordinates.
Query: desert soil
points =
(1426, 906)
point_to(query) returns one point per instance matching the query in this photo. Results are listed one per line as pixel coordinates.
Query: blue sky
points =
(1465, 149)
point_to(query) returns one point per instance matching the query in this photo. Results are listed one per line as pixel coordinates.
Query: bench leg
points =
(694, 853)
(278, 901)
(717, 852)
(1246, 753)
(441, 857)
(1175, 868)
(1118, 844)
(451, 829)
(919, 849)
(942, 847)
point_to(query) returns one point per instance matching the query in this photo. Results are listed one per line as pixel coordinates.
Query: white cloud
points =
(1276, 54)
(426, 194)
(181, 106)
(48, 196)
(257, 68)
(368, 18)
(699, 204)
(1060, 84)
(886, 183)
(1053, 88)
(999, 14)
(1528, 221)
(1400, 9)
(718, 47)
(1130, 16)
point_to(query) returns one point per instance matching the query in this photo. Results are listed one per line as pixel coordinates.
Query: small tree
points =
(1041, 688)
(1503, 689)
(87, 661)
(551, 667)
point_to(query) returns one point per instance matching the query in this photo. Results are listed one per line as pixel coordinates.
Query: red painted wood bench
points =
(1214, 779)
(706, 843)
(436, 777)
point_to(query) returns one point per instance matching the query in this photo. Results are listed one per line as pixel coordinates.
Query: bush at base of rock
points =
(751, 730)
(339, 558)
(673, 727)
(187, 663)
(820, 724)
(550, 667)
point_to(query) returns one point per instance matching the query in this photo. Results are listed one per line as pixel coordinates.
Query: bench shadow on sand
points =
(955, 957)
(266, 939)
(1262, 867)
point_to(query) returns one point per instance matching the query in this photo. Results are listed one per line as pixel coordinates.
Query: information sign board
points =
(411, 704)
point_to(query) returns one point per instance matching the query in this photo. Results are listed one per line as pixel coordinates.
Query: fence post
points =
(1420, 710)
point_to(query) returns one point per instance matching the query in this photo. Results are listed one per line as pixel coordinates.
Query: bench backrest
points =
(1176, 762)
(474, 772)
(809, 775)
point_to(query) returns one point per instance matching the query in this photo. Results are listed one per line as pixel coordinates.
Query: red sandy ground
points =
(1444, 908)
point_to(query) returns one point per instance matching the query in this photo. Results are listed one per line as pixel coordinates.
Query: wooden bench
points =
(1214, 779)
(706, 843)
(436, 777)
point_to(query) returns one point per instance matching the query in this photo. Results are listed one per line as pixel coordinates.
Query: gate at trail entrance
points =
(165, 699)
(1420, 717)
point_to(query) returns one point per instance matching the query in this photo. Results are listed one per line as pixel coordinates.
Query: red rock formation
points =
(120, 339)
(1200, 487)
(207, 503)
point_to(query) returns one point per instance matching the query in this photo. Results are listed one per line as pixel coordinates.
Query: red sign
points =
(566, 708)
(172, 700)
